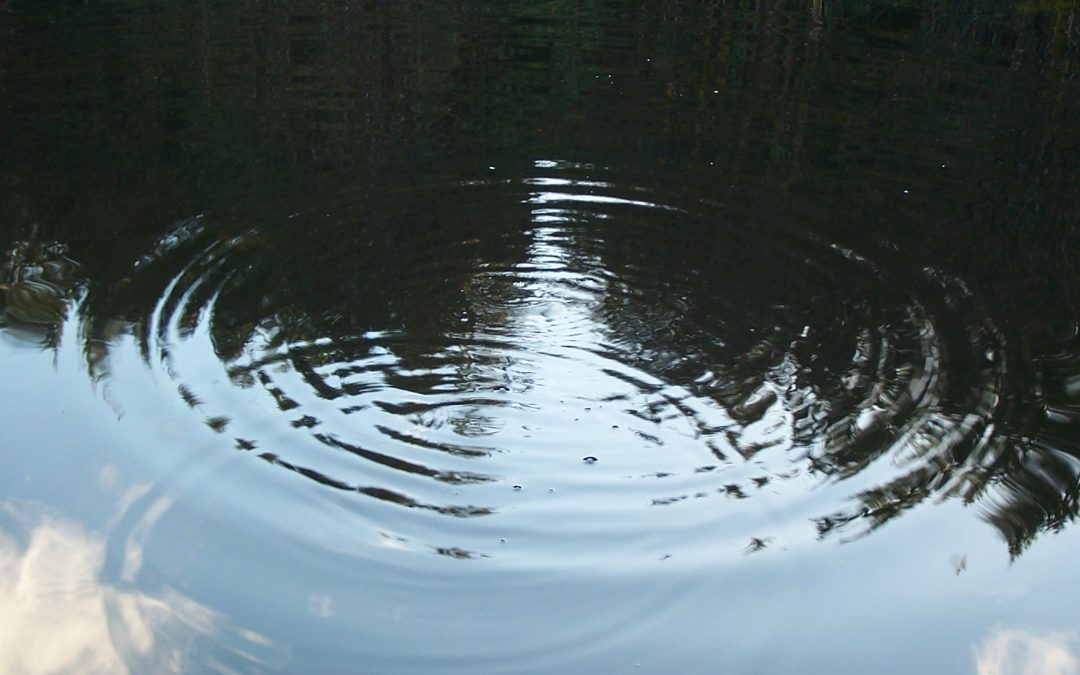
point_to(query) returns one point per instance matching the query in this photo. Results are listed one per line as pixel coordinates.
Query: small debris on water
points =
(757, 544)
(517, 487)
(589, 460)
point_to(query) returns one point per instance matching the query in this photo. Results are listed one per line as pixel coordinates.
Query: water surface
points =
(539, 338)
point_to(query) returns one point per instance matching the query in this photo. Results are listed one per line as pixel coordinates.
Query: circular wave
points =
(557, 368)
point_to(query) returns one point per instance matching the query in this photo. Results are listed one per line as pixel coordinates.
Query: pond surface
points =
(539, 337)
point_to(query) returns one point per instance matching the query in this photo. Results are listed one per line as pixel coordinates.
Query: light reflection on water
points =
(61, 613)
(680, 339)
(541, 395)
(1020, 651)
(609, 358)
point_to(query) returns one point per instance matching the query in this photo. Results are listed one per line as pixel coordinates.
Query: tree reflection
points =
(39, 282)
(953, 146)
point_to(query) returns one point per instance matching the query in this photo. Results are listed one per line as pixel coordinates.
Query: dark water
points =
(539, 337)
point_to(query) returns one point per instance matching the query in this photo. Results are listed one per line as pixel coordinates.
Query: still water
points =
(539, 337)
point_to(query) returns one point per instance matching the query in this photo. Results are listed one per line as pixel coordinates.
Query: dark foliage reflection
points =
(38, 281)
(810, 250)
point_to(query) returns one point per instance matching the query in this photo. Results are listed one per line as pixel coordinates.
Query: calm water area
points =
(537, 337)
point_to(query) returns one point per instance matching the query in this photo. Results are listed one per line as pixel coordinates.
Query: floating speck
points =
(589, 460)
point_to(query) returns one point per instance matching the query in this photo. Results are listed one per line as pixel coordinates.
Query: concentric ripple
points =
(557, 368)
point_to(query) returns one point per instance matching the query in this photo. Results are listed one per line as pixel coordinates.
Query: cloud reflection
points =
(58, 615)
(1019, 652)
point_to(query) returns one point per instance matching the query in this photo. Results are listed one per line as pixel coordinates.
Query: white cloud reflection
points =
(57, 615)
(1020, 652)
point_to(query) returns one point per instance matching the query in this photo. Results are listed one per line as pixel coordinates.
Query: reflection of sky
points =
(1020, 652)
(58, 615)
(83, 585)
(75, 596)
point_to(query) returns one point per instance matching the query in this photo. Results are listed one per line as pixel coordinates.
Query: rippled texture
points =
(539, 337)
(514, 355)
